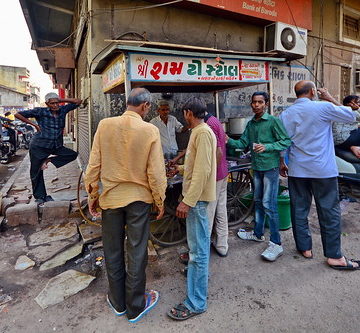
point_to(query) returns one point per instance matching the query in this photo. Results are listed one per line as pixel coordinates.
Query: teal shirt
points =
(270, 132)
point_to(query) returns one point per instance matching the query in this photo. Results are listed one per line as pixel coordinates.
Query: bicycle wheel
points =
(169, 230)
(240, 201)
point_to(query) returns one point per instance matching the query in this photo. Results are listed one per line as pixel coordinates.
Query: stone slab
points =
(22, 214)
(45, 252)
(53, 210)
(23, 262)
(63, 286)
(90, 233)
(54, 233)
(63, 257)
(7, 203)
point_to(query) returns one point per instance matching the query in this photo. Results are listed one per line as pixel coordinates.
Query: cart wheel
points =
(240, 201)
(169, 230)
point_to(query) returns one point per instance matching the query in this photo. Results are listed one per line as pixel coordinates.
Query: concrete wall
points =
(326, 53)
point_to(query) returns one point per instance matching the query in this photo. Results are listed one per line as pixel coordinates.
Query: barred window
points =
(351, 27)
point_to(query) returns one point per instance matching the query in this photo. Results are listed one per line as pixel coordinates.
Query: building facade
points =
(299, 40)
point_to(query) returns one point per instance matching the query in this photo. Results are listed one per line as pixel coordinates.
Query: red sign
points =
(298, 13)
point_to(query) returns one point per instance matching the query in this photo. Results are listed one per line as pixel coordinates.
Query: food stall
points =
(178, 70)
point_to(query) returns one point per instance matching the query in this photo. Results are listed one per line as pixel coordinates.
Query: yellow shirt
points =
(127, 158)
(10, 116)
(199, 169)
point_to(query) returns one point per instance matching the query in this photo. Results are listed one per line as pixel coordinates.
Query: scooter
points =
(348, 165)
(8, 143)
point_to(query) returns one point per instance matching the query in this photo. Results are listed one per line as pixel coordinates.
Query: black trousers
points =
(126, 287)
(352, 140)
(326, 195)
(38, 155)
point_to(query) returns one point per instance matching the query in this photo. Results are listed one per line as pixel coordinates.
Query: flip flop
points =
(181, 312)
(349, 266)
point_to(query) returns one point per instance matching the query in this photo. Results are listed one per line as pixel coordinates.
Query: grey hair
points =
(139, 96)
(51, 95)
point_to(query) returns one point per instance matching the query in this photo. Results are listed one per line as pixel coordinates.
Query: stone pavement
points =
(53, 278)
(18, 204)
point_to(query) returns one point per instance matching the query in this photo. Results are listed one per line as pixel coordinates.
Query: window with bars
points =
(351, 27)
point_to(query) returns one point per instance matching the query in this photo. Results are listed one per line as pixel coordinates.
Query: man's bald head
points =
(305, 89)
(139, 96)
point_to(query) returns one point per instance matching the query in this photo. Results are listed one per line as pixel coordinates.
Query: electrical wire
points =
(310, 71)
(66, 38)
(130, 9)
(297, 27)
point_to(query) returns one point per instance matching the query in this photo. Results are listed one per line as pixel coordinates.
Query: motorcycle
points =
(25, 133)
(8, 140)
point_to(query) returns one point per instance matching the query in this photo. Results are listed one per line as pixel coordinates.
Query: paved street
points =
(246, 294)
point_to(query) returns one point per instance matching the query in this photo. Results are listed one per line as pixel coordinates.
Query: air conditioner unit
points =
(285, 38)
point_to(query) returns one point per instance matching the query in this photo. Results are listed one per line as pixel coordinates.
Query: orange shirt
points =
(127, 159)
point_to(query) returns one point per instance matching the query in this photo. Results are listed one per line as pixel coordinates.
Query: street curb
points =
(23, 165)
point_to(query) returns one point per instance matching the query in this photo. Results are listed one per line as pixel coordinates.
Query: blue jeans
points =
(198, 238)
(265, 194)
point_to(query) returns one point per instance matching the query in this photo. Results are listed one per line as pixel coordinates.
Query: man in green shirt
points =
(266, 137)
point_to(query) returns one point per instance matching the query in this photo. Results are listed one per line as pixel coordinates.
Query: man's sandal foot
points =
(151, 299)
(117, 313)
(306, 254)
(349, 265)
(181, 312)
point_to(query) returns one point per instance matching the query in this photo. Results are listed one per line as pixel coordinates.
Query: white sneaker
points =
(249, 235)
(272, 252)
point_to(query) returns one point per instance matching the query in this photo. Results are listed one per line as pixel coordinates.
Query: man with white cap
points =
(48, 140)
(168, 125)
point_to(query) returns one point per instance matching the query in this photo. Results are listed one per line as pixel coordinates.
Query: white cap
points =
(51, 95)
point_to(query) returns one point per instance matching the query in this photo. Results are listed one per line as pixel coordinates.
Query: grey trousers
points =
(126, 287)
(218, 218)
(326, 195)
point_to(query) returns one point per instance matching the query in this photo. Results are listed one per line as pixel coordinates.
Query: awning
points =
(174, 70)
(50, 24)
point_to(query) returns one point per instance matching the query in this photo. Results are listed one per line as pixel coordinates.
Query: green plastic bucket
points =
(283, 210)
(284, 213)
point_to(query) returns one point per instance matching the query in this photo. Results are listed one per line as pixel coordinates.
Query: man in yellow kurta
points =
(127, 159)
(199, 188)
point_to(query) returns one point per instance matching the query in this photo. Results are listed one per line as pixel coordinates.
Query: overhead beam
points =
(57, 8)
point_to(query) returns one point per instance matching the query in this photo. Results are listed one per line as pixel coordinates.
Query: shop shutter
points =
(83, 135)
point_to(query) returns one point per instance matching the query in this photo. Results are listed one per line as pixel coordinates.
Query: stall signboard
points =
(159, 68)
(114, 74)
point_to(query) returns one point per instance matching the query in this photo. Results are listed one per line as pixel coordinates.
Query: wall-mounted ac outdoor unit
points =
(285, 38)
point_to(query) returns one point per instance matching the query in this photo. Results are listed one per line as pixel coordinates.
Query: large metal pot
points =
(237, 125)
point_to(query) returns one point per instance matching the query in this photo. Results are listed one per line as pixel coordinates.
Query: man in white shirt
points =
(168, 125)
